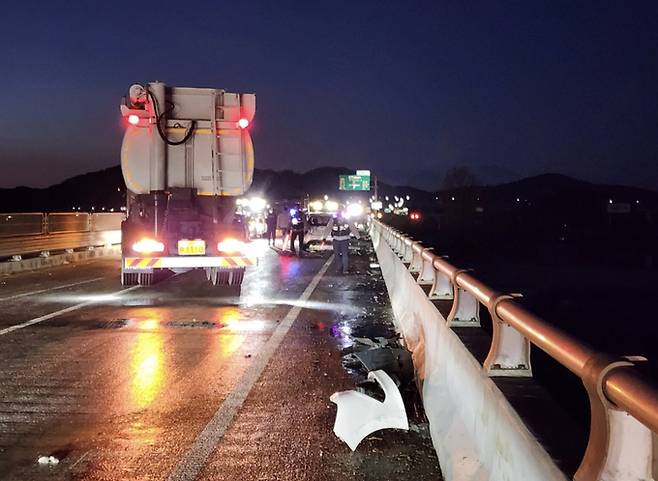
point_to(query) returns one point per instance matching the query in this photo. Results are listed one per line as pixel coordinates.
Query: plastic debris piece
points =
(366, 341)
(49, 460)
(374, 265)
(378, 342)
(359, 415)
(397, 361)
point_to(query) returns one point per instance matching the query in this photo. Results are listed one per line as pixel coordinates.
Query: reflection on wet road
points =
(124, 384)
(147, 365)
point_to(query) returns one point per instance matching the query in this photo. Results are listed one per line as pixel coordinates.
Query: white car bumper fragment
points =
(359, 415)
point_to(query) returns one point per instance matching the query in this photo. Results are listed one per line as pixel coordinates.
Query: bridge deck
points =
(175, 381)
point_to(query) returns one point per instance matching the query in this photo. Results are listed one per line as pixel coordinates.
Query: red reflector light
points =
(243, 123)
(133, 119)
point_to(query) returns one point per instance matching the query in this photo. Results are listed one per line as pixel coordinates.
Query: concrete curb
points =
(36, 263)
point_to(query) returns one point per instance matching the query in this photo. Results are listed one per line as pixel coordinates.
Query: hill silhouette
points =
(106, 189)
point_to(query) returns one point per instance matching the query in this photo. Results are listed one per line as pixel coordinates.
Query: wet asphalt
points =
(133, 383)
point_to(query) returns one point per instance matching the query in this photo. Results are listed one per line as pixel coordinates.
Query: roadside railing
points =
(614, 387)
(38, 233)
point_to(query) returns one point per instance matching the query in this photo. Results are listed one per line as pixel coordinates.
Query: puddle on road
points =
(232, 325)
(154, 324)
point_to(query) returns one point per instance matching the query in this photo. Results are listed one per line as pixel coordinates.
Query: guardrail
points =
(34, 233)
(613, 386)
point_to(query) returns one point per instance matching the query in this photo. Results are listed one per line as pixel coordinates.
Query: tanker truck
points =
(186, 154)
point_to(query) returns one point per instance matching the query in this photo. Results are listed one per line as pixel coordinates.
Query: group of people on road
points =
(291, 222)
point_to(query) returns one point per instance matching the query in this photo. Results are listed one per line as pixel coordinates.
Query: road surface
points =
(184, 381)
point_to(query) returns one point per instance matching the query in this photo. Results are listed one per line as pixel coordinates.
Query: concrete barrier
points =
(476, 433)
(35, 263)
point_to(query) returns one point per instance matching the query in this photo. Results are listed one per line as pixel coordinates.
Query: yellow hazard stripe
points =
(142, 263)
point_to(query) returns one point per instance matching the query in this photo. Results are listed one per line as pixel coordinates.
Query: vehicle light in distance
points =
(148, 246)
(353, 210)
(231, 246)
(331, 206)
(414, 216)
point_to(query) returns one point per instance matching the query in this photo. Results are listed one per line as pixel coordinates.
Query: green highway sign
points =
(354, 182)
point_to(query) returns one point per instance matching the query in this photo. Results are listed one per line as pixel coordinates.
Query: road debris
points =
(359, 415)
(378, 342)
(48, 460)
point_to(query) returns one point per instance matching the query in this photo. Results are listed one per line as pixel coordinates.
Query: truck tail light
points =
(243, 123)
(231, 246)
(148, 246)
(133, 119)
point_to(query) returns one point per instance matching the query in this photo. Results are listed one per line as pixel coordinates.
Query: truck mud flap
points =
(225, 277)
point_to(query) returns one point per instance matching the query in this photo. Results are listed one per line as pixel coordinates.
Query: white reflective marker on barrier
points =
(359, 415)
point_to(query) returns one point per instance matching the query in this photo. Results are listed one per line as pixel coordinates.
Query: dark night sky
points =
(407, 89)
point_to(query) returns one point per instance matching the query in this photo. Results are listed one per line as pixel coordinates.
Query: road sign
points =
(354, 182)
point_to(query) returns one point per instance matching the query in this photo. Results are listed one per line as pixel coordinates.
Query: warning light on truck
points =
(230, 246)
(148, 246)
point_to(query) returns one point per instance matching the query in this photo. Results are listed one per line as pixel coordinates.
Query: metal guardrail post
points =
(509, 353)
(465, 310)
(619, 446)
(414, 253)
(442, 288)
(426, 271)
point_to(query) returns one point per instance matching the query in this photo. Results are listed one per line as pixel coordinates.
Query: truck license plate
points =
(196, 247)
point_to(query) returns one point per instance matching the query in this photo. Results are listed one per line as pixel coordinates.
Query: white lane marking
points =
(37, 320)
(205, 443)
(32, 293)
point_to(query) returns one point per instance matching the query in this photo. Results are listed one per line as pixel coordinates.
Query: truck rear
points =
(186, 155)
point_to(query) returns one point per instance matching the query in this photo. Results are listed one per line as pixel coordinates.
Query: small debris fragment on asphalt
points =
(247, 356)
(374, 265)
(378, 342)
(49, 460)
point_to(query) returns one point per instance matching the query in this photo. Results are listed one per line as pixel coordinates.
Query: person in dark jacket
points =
(341, 229)
(297, 226)
(270, 221)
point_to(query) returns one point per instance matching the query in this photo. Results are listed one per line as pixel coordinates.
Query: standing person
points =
(297, 226)
(282, 223)
(270, 222)
(340, 230)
